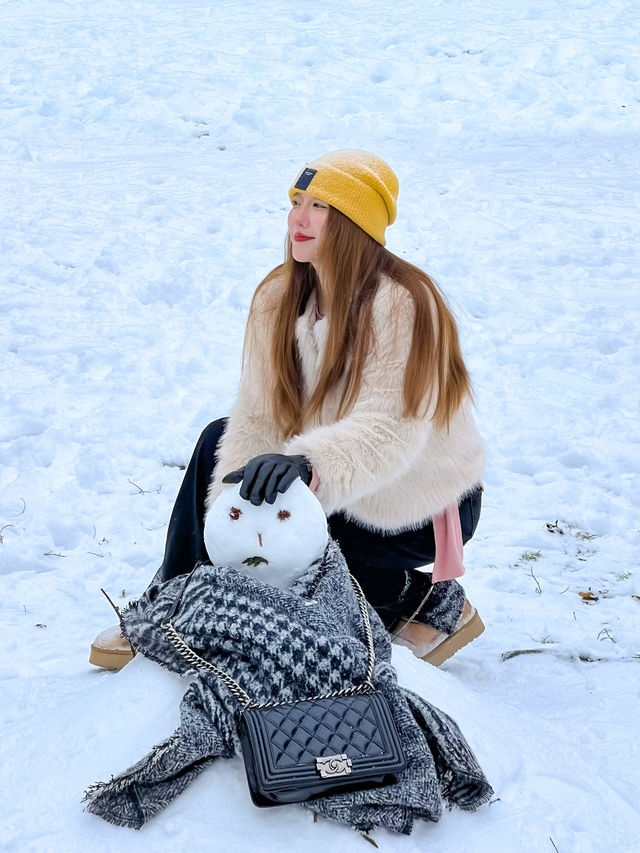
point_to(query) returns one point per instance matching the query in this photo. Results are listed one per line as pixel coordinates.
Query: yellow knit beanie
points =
(357, 183)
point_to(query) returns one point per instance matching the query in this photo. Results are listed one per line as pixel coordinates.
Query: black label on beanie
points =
(305, 179)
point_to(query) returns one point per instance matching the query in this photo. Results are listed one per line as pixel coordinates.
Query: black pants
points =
(385, 565)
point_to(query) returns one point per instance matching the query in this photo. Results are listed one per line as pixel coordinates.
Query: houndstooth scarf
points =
(282, 645)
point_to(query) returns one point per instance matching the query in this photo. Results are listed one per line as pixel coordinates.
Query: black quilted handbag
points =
(299, 750)
(294, 751)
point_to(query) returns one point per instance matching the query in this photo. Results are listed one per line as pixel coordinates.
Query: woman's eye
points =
(235, 513)
(283, 514)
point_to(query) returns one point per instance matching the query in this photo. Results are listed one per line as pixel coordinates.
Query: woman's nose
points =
(300, 215)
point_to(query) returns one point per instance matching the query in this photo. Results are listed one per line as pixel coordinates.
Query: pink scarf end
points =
(447, 532)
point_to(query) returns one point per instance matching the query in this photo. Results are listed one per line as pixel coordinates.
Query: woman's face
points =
(307, 218)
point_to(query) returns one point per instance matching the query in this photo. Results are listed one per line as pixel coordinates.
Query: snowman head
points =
(276, 543)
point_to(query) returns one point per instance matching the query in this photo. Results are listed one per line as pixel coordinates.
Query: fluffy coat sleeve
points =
(374, 444)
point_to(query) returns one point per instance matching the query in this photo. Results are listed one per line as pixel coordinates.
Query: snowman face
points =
(276, 543)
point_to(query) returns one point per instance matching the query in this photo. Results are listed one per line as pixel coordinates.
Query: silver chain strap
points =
(410, 619)
(196, 662)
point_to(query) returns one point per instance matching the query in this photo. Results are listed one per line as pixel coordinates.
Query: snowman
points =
(275, 543)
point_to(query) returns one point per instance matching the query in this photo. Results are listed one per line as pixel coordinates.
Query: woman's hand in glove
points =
(264, 476)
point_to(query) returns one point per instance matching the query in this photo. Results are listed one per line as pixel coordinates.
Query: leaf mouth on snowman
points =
(254, 561)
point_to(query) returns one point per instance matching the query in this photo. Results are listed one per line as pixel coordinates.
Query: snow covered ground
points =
(145, 153)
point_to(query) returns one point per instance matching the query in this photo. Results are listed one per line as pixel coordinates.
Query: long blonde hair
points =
(352, 263)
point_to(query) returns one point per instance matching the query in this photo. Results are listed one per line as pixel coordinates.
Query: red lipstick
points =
(301, 238)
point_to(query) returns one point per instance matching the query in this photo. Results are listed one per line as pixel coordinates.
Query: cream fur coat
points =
(384, 471)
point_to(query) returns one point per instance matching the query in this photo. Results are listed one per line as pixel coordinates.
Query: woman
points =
(353, 379)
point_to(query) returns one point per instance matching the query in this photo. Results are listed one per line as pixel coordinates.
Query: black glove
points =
(264, 476)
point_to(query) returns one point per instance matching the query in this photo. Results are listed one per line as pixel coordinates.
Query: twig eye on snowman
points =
(275, 543)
